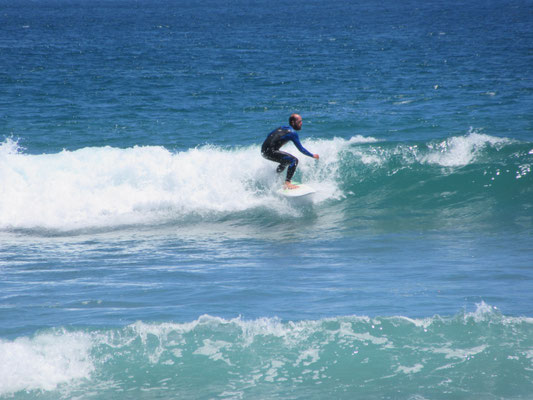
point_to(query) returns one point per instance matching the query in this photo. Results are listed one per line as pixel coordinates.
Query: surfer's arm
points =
(296, 140)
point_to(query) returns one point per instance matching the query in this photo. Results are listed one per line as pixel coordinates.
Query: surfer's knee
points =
(294, 162)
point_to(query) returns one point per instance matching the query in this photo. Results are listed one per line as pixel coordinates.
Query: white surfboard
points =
(301, 190)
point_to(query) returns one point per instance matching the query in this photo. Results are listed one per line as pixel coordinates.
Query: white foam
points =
(44, 362)
(410, 370)
(483, 312)
(459, 150)
(308, 357)
(102, 187)
(362, 139)
(105, 186)
(273, 371)
(418, 322)
(454, 151)
(450, 353)
(213, 350)
(63, 360)
(10, 146)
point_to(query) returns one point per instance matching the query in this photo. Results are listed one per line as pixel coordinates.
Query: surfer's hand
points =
(315, 156)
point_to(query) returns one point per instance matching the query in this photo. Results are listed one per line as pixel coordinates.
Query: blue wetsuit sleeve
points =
(293, 136)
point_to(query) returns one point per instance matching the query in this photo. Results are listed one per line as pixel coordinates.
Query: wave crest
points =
(355, 352)
(106, 187)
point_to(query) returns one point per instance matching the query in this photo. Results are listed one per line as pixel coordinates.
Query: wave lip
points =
(454, 151)
(461, 150)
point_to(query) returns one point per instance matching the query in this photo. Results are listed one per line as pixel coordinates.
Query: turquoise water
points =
(144, 252)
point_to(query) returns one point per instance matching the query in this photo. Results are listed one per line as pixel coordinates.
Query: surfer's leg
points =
(291, 169)
(284, 160)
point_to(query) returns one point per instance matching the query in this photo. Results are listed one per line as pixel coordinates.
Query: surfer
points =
(277, 138)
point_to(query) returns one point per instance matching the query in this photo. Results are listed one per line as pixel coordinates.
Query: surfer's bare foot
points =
(289, 185)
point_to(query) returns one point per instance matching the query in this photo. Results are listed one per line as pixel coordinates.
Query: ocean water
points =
(145, 254)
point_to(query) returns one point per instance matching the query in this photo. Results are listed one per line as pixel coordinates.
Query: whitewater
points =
(151, 185)
(266, 358)
(145, 253)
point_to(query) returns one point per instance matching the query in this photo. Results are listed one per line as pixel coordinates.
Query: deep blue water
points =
(145, 253)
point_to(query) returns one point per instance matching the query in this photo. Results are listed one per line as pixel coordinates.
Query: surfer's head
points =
(295, 121)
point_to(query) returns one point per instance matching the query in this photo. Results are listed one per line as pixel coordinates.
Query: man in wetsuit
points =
(276, 139)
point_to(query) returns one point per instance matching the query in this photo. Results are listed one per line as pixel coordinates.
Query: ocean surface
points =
(145, 253)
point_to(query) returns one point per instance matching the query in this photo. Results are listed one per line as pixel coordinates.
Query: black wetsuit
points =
(276, 139)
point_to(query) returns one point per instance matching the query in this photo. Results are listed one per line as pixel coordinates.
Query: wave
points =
(470, 180)
(480, 354)
(108, 187)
